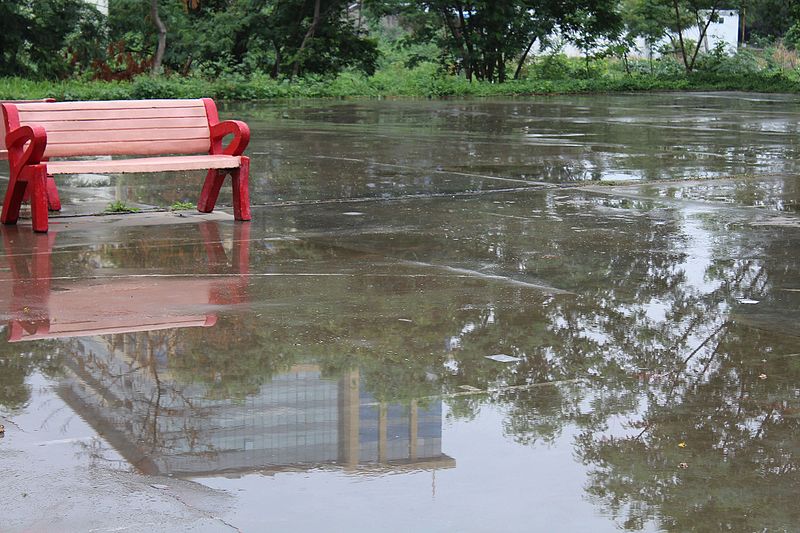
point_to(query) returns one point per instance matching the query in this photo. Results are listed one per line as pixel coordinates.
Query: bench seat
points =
(43, 140)
(144, 164)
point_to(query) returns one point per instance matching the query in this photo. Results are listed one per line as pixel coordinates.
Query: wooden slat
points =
(161, 134)
(43, 115)
(125, 124)
(123, 127)
(144, 164)
(128, 148)
(109, 104)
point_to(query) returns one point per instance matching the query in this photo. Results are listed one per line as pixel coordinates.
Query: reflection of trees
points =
(674, 352)
(16, 365)
(741, 434)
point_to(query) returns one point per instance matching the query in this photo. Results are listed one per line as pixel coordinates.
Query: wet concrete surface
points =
(423, 328)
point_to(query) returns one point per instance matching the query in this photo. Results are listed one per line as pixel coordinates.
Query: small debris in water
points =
(2, 430)
(681, 445)
(404, 320)
(683, 466)
(159, 486)
(353, 213)
(746, 301)
(469, 388)
(503, 358)
(762, 376)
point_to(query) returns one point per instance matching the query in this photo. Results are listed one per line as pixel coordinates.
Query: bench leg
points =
(37, 180)
(241, 190)
(210, 192)
(53, 201)
(13, 199)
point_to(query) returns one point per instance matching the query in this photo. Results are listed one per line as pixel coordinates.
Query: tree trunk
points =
(459, 38)
(276, 68)
(523, 58)
(702, 36)
(162, 38)
(467, 40)
(680, 36)
(742, 19)
(308, 36)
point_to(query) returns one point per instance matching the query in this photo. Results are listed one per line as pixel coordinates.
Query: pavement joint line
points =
(494, 390)
(180, 500)
(531, 186)
(492, 277)
(435, 171)
(466, 275)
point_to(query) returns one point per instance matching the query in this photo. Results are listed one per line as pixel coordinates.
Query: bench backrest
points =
(3, 151)
(123, 127)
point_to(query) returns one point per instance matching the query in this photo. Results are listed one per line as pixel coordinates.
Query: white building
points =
(725, 30)
(101, 5)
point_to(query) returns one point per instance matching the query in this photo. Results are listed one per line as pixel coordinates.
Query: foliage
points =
(121, 207)
(49, 38)
(182, 206)
(481, 38)
(242, 37)
(768, 19)
(552, 74)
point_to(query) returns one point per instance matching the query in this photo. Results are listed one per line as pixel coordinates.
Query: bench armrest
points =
(241, 137)
(35, 136)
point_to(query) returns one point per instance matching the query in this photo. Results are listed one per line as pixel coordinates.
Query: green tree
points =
(49, 38)
(481, 38)
(287, 37)
(685, 14)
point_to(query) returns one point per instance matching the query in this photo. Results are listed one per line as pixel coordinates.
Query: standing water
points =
(540, 314)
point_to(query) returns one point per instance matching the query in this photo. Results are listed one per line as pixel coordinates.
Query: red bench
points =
(153, 130)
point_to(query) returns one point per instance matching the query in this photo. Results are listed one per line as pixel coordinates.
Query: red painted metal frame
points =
(53, 201)
(26, 147)
(240, 177)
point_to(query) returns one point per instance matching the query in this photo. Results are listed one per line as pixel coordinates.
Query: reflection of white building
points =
(299, 419)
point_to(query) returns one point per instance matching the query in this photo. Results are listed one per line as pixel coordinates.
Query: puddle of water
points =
(327, 369)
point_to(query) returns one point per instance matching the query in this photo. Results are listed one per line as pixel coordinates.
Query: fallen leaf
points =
(503, 358)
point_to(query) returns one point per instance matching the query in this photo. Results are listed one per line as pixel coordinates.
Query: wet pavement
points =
(551, 314)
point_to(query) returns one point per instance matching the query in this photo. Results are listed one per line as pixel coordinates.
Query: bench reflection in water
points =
(41, 306)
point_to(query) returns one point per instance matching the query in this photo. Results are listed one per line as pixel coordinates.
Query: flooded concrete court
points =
(544, 314)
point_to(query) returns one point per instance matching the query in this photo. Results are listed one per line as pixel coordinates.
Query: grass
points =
(425, 81)
(182, 206)
(121, 207)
